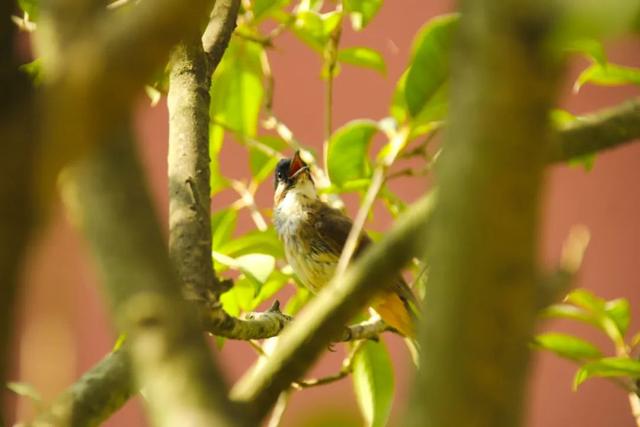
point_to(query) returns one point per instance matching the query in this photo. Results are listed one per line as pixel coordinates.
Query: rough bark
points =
(84, 404)
(482, 299)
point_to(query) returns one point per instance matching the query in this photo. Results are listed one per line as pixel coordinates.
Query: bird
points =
(313, 235)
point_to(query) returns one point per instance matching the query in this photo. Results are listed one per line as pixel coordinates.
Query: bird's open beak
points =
(297, 166)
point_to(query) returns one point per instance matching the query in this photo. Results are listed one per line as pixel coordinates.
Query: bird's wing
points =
(333, 228)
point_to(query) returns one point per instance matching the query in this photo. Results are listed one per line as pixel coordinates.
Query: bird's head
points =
(293, 177)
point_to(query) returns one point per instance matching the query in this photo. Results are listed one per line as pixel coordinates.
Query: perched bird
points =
(314, 234)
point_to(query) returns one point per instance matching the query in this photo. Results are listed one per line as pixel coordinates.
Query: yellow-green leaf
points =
(373, 383)
(363, 57)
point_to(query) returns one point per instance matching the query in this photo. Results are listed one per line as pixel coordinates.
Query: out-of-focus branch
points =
(321, 321)
(17, 148)
(107, 197)
(218, 33)
(597, 132)
(84, 404)
(106, 59)
(481, 302)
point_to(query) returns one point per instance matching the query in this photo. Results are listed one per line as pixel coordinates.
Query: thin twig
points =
(250, 203)
(377, 180)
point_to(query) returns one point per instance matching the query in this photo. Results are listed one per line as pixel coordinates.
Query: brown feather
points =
(398, 305)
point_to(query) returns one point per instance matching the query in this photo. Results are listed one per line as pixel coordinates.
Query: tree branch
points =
(597, 132)
(84, 404)
(481, 302)
(18, 136)
(321, 322)
(107, 196)
(93, 80)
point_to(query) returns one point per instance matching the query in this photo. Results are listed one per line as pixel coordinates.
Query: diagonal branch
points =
(321, 321)
(597, 132)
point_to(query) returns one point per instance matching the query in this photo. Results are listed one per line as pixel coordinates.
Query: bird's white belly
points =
(313, 270)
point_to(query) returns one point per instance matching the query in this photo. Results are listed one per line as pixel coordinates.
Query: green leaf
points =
(30, 7)
(217, 181)
(315, 28)
(258, 266)
(399, 109)
(591, 48)
(361, 12)
(567, 311)
(34, 70)
(373, 383)
(271, 286)
(261, 163)
(618, 311)
(236, 89)
(223, 224)
(587, 300)
(297, 301)
(363, 57)
(25, 390)
(263, 242)
(347, 152)
(607, 75)
(240, 297)
(429, 66)
(567, 346)
(607, 367)
(262, 8)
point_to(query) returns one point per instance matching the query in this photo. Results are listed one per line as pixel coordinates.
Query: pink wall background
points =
(64, 327)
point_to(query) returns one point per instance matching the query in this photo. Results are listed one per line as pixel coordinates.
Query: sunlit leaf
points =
(607, 75)
(607, 367)
(262, 164)
(297, 301)
(262, 8)
(399, 109)
(217, 180)
(223, 223)
(361, 12)
(567, 346)
(264, 242)
(236, 89)
(347, 153)
(619, 311)
(373, 383)
(34, 70)
(31, 7)
(429, 66)
(259, 266)
(567, 311)
(240, 297)
(585, 299)
(271, 286)
(315, 28)
(591, 48)
(363, 57)
(25, 390)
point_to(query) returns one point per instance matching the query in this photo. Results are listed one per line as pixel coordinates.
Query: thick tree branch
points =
(107, 197)
(481, 302)
(17, 148)
(321, 322)
(84, 404)
(92, 82)
(597, 132)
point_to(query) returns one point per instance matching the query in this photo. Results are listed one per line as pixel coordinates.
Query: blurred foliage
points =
(241, 113)
(611, 318)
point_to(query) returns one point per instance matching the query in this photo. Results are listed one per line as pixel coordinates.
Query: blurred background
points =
(64, 327)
